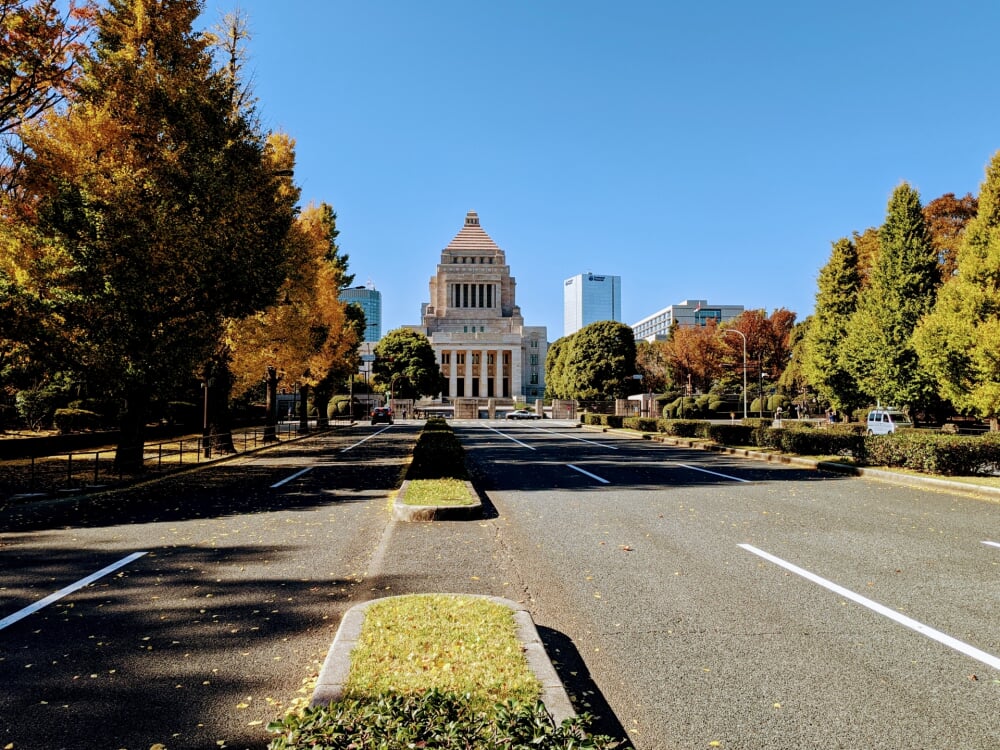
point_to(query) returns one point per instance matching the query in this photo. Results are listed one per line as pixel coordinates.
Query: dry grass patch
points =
(437, 492)
(458, 644)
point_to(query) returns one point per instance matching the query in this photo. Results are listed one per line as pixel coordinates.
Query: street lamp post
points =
(206, 440)
(744, 337)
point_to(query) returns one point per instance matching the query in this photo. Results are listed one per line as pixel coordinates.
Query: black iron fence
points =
(76, 471)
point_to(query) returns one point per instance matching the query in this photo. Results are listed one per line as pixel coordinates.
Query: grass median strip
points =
(459, 644)
(446, 492)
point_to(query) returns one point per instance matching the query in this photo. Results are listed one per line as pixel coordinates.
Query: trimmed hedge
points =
(951, 455)
(918, 450)
(438, 454)
(603, 420)
(76, 420)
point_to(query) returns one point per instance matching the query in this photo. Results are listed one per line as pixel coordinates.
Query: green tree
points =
(836, 301)
(405, 363)
(599, 362)
(152, 210)
(959, 341)
(878, 350)
(555, 368)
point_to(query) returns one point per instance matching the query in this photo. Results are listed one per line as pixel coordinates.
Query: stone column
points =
(468, 373)
(515, 373)
(452, 372)
(483, 370)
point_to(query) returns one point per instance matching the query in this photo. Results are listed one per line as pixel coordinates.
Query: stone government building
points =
(486, 354)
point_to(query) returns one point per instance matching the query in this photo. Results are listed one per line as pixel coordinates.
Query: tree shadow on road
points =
(583, 691)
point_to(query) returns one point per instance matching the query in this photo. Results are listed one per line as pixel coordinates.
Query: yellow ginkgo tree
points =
(305, 338)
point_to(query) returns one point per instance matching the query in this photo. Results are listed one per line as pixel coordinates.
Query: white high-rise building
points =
(590, 297)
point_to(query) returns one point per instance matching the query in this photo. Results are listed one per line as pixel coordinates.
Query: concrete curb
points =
(403, 512)
(882, 475)
(336, 667)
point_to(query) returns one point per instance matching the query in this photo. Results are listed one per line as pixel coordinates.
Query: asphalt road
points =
(635, 553)
(661, 580)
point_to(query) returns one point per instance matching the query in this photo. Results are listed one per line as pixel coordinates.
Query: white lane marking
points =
(715, 473)
(504, 434)
(892, 614)
(592, 476)
(374, 434)
(296, 475)
(574, 437)
(42, 603)
(993, 544)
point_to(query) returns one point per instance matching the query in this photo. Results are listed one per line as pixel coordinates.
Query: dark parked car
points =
(521, 414)
(381, 414)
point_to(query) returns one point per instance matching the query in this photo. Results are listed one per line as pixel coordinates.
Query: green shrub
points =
(613, 420)
(681, 427)
(36, 406)
(338, 406)
(934, 453)
(75, 420)
(643, 424)
(438, 454)
(431, 720)
(810, 442)
(731, 434)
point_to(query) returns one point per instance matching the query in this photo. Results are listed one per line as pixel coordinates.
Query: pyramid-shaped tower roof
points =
(472, 239)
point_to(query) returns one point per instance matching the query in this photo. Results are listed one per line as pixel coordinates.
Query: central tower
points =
(475, 326)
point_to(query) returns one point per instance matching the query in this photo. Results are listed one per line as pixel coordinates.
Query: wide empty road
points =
(692, 600)
(723, 602)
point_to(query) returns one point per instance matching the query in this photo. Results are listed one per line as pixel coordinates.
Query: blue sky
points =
(699, 151)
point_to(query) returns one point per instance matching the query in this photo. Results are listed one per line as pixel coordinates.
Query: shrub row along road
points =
(692, 600)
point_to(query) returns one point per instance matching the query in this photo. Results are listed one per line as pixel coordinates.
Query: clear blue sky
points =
(698, 150)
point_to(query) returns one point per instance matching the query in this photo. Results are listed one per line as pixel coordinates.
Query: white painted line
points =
(592, 476)
(892, 614)
(374, 434)
(574, 437)
(296, 475)
(51, 598)
(715, 473)
(504, 434)
(993, 544)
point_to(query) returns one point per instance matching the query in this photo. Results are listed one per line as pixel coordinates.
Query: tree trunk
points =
(220, 421)
(303, 408)
(321, 400)
(132, 431)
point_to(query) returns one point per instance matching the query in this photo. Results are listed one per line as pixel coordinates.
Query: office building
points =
(696, 312)
(588, 298)
(370, 300)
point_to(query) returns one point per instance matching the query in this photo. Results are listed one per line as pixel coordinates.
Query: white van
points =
(884, 421)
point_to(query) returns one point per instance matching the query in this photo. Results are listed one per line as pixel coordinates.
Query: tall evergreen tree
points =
(878, 351)
(959, 342)
(156, 206)
(600, 361)
(836, 300)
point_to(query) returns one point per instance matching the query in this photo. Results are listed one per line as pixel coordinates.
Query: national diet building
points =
(482, 346)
